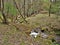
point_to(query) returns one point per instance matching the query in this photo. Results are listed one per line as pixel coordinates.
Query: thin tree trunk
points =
(49, 10)
(0, 5)
(19, 10)
(3, 14)
(28, 8)
(24, 8)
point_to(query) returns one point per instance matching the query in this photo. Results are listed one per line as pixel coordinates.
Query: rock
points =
(43, 35)
(34, 34)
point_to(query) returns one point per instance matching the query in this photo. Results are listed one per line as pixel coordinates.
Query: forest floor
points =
(9, 35)
(44, 20)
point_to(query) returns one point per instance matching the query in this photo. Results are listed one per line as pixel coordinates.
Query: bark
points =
(24, 8)
(19, 10)
(3, 14)
(0, 5)
(49, 10)
(28, 3)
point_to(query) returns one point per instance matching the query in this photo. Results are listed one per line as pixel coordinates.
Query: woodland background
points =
(19, 17)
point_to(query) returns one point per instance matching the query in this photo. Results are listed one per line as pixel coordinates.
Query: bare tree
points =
(19, 10)
(49, 9)
(51, 1)
(0, 5)
(3, 14)
(24, 8)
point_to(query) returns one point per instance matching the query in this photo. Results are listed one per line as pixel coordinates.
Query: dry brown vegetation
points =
(12, 36)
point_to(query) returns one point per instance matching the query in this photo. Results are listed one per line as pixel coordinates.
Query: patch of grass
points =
(10, 8)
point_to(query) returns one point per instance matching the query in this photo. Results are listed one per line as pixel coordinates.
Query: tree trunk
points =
(19, 10)
(5, 20)
(0, 5)
(24, 8)
(49, 10)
